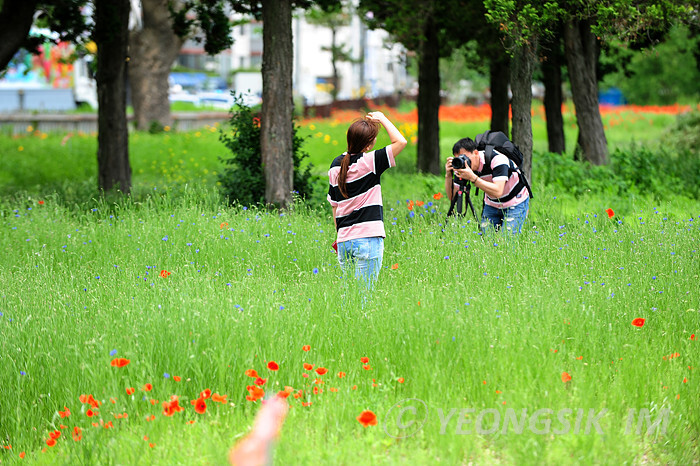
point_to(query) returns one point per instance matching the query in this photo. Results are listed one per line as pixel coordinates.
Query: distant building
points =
(378, 68)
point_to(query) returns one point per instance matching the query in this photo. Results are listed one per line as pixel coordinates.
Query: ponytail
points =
(343, 175)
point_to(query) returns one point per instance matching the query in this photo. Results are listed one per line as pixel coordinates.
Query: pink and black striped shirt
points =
(361, 214)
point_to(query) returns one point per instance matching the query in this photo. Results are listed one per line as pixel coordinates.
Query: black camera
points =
(461, 161)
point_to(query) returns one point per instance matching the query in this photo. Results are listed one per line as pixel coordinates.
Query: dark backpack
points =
(497, 140)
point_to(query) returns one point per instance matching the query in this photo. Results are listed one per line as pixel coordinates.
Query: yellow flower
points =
(327, 138)
(20, 148)
(91, 47)
(166, 128)
(312, 127)
(197, 134)
(44, 135)
(30, 128)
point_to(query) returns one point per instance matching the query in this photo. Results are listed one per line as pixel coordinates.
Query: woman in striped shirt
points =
(355, 195)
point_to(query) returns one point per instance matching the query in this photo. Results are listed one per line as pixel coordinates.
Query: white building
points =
(379, 69)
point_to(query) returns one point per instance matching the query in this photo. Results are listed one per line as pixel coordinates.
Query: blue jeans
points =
(364, 255)
(514, 217)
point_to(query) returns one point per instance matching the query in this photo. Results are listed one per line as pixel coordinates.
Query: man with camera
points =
(506, 197)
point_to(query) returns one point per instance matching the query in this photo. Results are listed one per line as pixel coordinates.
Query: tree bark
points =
(499, 70)
(152, 50)
(428, 148)
(112, 36)
(553, 99)
(16, 18)
(277, 106)
(521, 66)
(581, 57)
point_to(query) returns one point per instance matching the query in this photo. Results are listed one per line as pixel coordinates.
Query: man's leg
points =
(516, 216)
(491, 218)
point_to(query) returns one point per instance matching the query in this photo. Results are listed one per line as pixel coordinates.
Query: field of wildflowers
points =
(150, 331)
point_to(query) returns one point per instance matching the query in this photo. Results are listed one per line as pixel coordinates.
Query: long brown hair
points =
(361, 134)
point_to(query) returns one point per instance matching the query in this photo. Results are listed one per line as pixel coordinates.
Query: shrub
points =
(243, 179)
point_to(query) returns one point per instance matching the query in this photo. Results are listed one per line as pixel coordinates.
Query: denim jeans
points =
(514, 217)
(364, 255)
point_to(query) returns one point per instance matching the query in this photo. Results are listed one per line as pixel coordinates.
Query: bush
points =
(243, 179)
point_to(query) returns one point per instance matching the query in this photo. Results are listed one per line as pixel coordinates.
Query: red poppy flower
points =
(316, 390)
(273, 366)
(41, 202)
(692, 337)
(77, 434)
(341, 374)
(410, 205)
(304, 403)
(395, 266)
(148, 387)
(51, 442)
(260, 381)
(400, 380)
(256, 393)
(200, 406)
(223, 225)
(130, 391)
(119, 362)
(308, 366)
(205, 394)
(334, 390)
(638, 322)
(565, 377)
(176, 378)
(306, 348)
(65, 413)
(21, 455)
(420, 203)
(164, 273)
(321, 370)
(91, 413)
(367, 418)
(367, 367)
(282, 394)
(216, 398)
(610, 213)
(252, 373)
(437, 196)
(364, 360)
(55, 434)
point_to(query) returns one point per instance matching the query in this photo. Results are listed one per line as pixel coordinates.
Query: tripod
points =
(462, 193)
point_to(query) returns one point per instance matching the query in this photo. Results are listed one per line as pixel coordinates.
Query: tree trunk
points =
(334, 64)
(500, 103)
(521, 66)
(553, 98)
(277, 105)
(428, 149)
(112, 37)
(152, 50)
(581, 57)
(16, 18)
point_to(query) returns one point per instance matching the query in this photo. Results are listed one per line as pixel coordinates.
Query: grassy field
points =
(462, 330)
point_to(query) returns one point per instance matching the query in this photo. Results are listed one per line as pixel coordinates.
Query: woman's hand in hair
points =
(377, 116)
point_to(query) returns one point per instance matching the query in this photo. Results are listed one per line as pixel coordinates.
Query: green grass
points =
(462, 317)
(468, 321)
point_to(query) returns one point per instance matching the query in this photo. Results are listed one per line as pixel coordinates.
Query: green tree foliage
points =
(665, 75)
(243, 178)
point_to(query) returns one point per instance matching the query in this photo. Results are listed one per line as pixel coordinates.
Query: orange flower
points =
(437, 196)
(21, 455)
(282, 394)
(364, 360)
(41, 202)
(367, 418)
(200, 406)
(303, 403)
(395, 266)
(308, 366)
(410, 205)
(400, 380)
(55, 434)
(334, 390)
(260, 381)
(109, 425)
(176, 378)
(306, 348)
(119, 362)
(610, 213)
(367, 367)
(148, 387)
(273, 366)
(130, 391)
(565, 377)
(205, 394)
(77, 434)
(638, 322)
(341, 374)
(65, 413)
(316, 391)
(321, 370)
(223, 225)
(164, 273)
(216, 398)
(256, 393)
(91, 413)
(252, 373)
(51, 442)
(420, 203)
